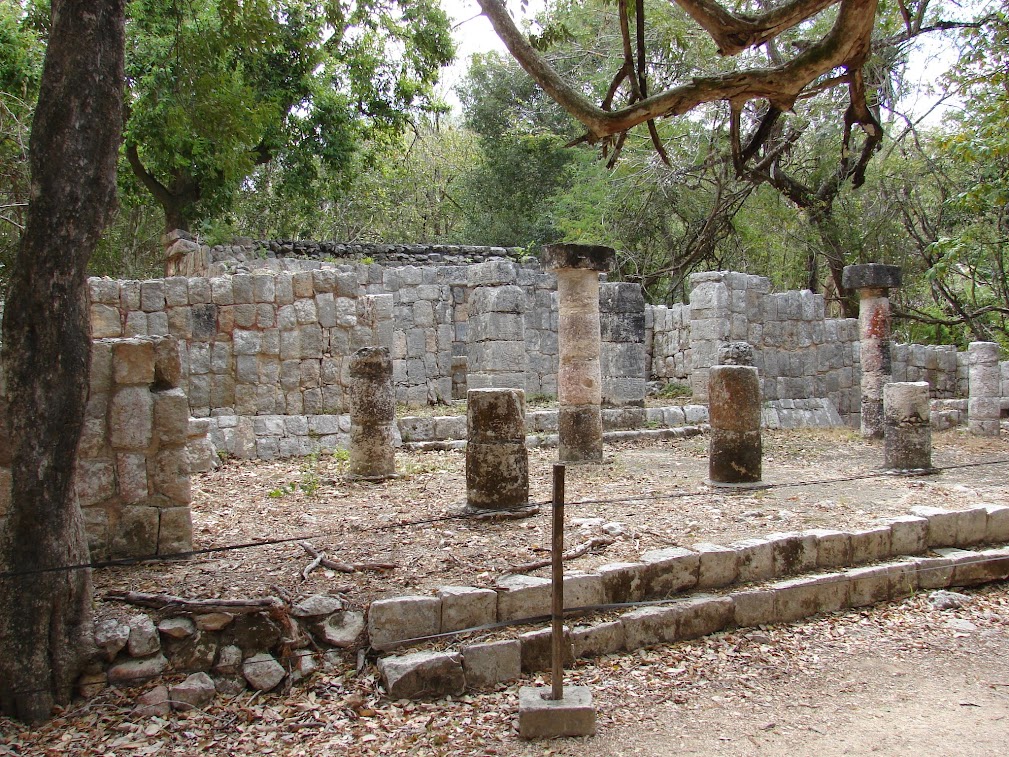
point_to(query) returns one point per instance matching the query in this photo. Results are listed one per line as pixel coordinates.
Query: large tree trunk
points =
(45, 612)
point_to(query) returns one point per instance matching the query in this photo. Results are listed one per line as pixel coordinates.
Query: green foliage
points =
(218, 87)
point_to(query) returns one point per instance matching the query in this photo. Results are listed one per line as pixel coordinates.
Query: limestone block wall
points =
(132, 469)
(939, 365)
(623, 357)
(668, 342)
(252, 344)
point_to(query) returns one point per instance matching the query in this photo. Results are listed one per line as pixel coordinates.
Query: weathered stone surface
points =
(315, 606)
(802, 597)
(590, 257)
(492, 662)
(255, 632)
(997, 531)
(131, 416)
(648, 626)
(466, 607)
(177, 628)
(541, 718)
(597, 640)
(229, 659)
(154, 703)
(175, 530)
(717, 565)
(194, 653)
(303, 665)
(111, 637)
(669, 571)
(196, 692)
(137, 532)
(133, 361)
(947, 600)
(623, 581)
(393, 620)
(262, 672)
(422, 674)
(792, 553)
(869, 585)
(495, 415)
(756, 559)
(522, 597)
(497, 475)
(702, 615)
(934, 572)
(908, 534)
(871, 544)
(583, 590)
(133, 671)
(341, 629)
(144, 639)
(871, 276)
(753, 608)
(907, 428)
(213, 621)
(537, 649)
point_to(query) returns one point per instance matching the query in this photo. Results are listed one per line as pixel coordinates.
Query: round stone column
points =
(873, 281)
(372, 414)
(984, 403)
(579, 376)
(497, 463)
(735, 447)
(907, 429)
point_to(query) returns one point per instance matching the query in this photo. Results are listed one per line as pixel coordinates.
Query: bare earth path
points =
(898, 679)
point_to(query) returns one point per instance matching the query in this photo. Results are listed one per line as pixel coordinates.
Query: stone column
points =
(873, 282)
(497, 463)
(495, 324)
(579, 377)
(372, 414)
(735, 448)
(984, 403)
(907, 428)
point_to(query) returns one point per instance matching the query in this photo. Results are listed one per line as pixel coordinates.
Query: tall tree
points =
(217, 87)
(45, 611)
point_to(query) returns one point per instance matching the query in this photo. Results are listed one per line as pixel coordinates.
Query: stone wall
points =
(132, 476)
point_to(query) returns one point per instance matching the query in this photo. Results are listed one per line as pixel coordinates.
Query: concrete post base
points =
(541, 718)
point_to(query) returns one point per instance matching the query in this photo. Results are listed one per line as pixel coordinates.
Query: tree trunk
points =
(45, 612)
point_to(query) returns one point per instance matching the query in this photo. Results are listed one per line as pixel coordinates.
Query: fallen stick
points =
(312, 566)
(596, 542)
(343, 567)
(170, 602)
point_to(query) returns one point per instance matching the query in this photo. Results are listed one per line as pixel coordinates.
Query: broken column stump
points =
(984, 403)
(372, 414)
(735, 449)
(497, 462)
(579, 375)
(907, 429)
(873, 281)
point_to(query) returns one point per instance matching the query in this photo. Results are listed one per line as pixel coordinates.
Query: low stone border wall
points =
(856, 569)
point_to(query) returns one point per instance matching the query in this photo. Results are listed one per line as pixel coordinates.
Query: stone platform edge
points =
(761, 581)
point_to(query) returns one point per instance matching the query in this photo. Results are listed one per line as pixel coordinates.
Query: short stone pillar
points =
(735, 448)
(579, 375)
(907, 428)
(984, 403)
(873, 281)
(497, 463)
(372, 414)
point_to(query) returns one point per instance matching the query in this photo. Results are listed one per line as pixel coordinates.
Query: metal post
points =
(557, 607)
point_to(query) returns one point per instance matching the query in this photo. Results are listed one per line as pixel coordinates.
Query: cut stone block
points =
(622, 582)
(422, 674)
(996, 564)
(537, 649)
(756, 559)
(903, 579)
(803, 597)
(393, 620)
(669, 571)
(134, 671)
(753, 608)
(971, 526)
(998, 524)
(969, 568)
(870, 545)
(792, 553)
(492, 663)
(466, 607)
(598, 640)
(263, 672)
(522, 597)
(196, 692)
(717, 565)
(867, 586)
(833, 548)
(933, 572)
(583, 590)
(703, 615)
(908, 534)
(540, 718)
(941, 525)
(648, 626)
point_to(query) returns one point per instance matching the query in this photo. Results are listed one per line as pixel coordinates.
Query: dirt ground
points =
(895, 679)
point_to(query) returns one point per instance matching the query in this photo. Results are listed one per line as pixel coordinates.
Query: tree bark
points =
(45, 612)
